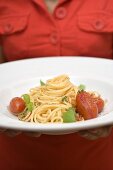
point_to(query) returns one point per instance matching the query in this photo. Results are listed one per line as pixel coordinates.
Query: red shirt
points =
(76, 28)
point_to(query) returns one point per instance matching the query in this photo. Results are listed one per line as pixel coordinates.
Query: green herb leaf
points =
(64, 99)
(81, 87)
(69, 116)
(26, 98)
(42, 83)
(30, 106)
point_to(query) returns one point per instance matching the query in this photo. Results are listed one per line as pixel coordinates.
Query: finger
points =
(105, 132)
(94, 134)
(2, 130)
(101, 132)
(88, 135)
(33, 134)
(12, 133)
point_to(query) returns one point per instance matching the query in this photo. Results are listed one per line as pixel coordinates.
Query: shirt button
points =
(99, 24)
(8, 28)
(54, 38)
(60, 12)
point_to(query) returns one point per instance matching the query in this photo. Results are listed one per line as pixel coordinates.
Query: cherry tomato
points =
(100, 103)
(86, 106)
(17, 105)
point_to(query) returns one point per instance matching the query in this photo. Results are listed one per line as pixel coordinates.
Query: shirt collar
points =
(41, 2)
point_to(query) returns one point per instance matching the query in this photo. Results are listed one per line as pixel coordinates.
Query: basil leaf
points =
(81, 87)
(69, 116)
(42, 83)
(26, 98)
(30, 106)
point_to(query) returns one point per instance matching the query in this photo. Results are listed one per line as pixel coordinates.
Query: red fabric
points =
(0, 42)
(76, 28)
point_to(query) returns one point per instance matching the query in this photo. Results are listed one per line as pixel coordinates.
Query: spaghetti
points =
(51, 100)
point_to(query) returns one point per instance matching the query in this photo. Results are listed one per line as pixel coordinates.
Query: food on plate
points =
(89, 105)
(17, 105)
(57, 100)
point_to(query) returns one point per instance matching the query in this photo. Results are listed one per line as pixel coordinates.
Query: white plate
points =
(17, 77)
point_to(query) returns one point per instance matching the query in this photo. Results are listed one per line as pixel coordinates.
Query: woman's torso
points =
(76, 28)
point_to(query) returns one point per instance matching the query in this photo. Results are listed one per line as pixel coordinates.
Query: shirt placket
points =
(58, 14)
